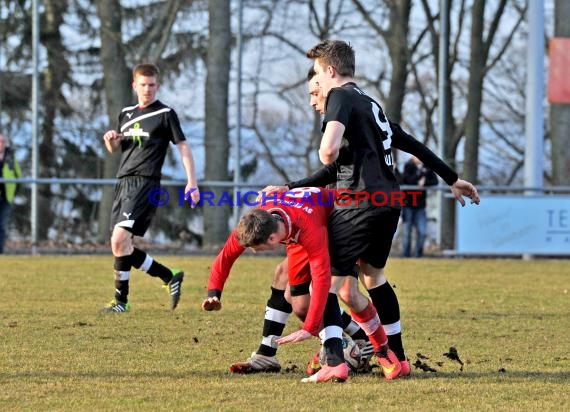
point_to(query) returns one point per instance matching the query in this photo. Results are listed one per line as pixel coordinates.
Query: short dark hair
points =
(336, 53)
(255, 227)
(311, 73)
(146, 69)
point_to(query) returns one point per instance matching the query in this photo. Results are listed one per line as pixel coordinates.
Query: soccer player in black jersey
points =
(144, 133)
(279, 307)
(356, 149)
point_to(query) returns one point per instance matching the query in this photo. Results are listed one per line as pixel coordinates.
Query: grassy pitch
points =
(508, 320)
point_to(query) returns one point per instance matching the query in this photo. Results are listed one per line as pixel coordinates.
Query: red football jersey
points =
(305, 212)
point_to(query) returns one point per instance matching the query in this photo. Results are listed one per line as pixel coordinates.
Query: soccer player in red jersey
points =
(297, 219)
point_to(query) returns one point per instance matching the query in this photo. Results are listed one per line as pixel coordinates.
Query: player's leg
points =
(350, 232)
(143, 212)
(131, 216)
(122, 221)
(382, 294)
(277, 312)
(289, 293)
(334, 367)
(357, 334)
(171, 278)
(121, 244)
(365, 314)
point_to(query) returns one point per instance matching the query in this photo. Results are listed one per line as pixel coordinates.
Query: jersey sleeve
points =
(176, 133)
(406, 142)
(220, 270)
(338, 107)
(321, 178)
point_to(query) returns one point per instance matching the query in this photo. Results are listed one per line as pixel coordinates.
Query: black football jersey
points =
(365, 161)
(146, 135)
(367, 165)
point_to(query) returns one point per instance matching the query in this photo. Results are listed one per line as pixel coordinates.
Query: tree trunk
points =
(474, 93)
(447, 206)
(117, 81)
(53, 79)
(560, 113)
(217, 133)
(396, 40)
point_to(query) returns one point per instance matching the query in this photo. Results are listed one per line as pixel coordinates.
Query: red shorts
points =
(299, 271)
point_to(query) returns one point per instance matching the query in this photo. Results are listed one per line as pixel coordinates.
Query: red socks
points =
(369, 321)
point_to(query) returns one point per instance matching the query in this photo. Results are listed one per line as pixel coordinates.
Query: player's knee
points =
(300, 312)
(300, 305)
(347, 296)
(121, 245)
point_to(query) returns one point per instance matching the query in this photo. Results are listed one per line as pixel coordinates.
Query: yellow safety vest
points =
(10, 170)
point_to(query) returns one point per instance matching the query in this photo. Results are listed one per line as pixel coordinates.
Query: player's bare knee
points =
(349, 296)
(300, 312)
(300, 305)
(121, 243)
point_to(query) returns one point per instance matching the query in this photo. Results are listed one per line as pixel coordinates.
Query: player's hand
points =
(111, 135)
(268, 190)
(212, 303)
(192, 195)
(295, 337)
(464, 188)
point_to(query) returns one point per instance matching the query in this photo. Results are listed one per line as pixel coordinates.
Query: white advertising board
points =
(514, 225)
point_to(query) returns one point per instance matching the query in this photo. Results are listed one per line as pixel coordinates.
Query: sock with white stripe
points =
(122, 268)
(145, 262)
(332, 332)
(277, 312)
(369, 321)
(351, 328)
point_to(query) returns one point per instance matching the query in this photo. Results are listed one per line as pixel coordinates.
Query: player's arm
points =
(191, 188)
(331, 142)
(220, 271)
(315, 242)
(406, 142)
(321, 178)
(112, 140)
(403, 141)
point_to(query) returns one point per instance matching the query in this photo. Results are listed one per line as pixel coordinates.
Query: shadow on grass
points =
(518, 375)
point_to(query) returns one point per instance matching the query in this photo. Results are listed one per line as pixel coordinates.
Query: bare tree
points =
(154, 37)
(55, 76)
(396, 38)
(118, 93)
(486, 49)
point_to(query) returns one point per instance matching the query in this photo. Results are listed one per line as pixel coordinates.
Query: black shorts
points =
(361, 234)
(131, 208)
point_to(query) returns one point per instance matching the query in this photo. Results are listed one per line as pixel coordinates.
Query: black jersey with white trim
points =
(367, 165)
(365, 157)
(146, 135)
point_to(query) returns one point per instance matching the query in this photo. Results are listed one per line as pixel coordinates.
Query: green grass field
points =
(508, 319)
